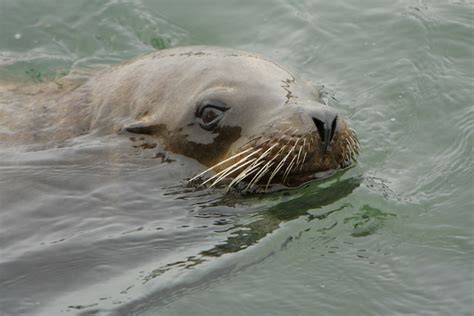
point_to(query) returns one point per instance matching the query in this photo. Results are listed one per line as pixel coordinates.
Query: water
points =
(100, 227)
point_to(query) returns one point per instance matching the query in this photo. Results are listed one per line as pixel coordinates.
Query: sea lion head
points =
(246, 118)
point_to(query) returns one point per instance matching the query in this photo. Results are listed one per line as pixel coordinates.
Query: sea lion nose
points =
(325, 119)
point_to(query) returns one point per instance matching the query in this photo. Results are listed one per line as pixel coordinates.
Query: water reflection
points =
(267, 220)
(367, 220)
(271, 218)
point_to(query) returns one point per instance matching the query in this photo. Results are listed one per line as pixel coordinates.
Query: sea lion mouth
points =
(292, 182)
(289, 160)
(302, 178)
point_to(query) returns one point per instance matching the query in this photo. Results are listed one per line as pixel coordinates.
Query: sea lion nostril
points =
(326, 123)
(333, 128)
(321, 128)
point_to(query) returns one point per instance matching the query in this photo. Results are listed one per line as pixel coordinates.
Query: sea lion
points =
(246, 118)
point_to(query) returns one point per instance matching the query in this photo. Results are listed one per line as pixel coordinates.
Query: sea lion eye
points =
(210, 113)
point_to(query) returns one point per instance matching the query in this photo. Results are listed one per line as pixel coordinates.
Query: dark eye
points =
(210, 113)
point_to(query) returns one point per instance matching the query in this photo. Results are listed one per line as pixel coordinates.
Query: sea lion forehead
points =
(238, 62)
(207, 51)
(247, 77)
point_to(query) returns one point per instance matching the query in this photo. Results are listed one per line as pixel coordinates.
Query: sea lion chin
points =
(248, 119)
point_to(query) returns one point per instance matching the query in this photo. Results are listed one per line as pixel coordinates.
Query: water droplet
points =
(17, 36)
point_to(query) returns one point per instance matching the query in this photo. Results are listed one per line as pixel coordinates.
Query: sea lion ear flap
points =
(142, 127)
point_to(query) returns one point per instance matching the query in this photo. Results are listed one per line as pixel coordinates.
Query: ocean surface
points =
(98, 227)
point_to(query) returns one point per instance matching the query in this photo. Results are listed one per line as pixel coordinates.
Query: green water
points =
(82, 233)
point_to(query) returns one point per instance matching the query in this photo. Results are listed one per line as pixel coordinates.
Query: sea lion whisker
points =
(294, 146)
(221, 163)
(356, 139)
(356, 145)
(354, 134)
(301, 163)
(288, 169)
(259, 175)
(304, 158)
(228, 170)
(298, 157)
(284, 131)
(351, 152)
(253, 140)
(237, 180)
(259, 172)
(246, 172)
(351, 142)
(278, 167)
(275, 171)
(235, 168)
(350, 148)
(267, 151)
(264, 169)
(295, 166)
(276, 156)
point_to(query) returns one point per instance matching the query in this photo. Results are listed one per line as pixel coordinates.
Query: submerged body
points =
(241, 115)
